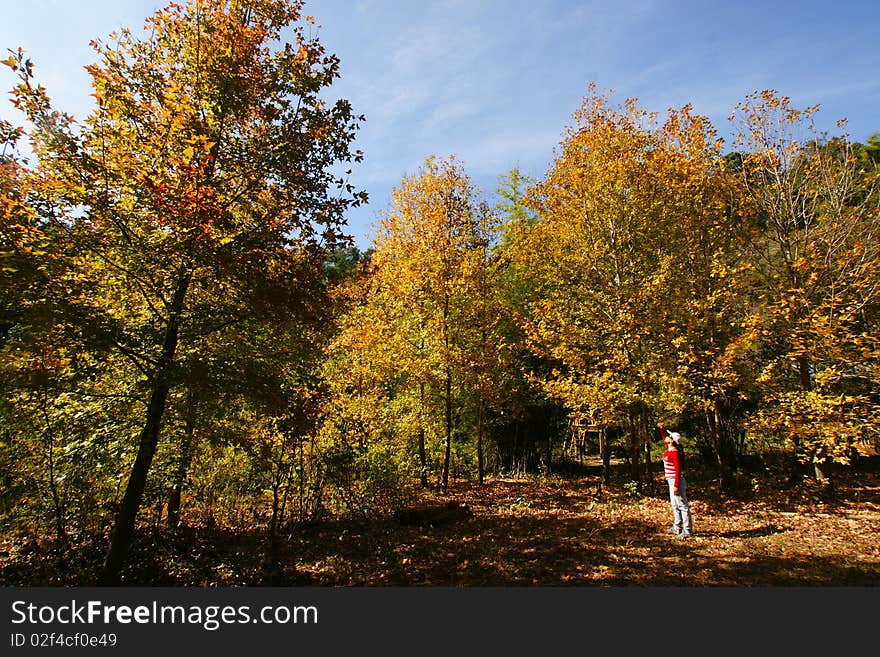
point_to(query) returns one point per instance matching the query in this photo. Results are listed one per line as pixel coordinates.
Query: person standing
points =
(673, 468)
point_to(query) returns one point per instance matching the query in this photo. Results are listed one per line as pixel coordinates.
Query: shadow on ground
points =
(514, 533)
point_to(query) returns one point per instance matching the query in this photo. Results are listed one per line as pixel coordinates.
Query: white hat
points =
(675, 436)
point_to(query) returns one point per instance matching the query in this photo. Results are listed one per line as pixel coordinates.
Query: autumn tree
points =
(51, 448)
(583, 256)
(419, 335)
(705, 301)
(527, 420)
(815, 278)
(199, 193)
(626, 214)
(371, 412)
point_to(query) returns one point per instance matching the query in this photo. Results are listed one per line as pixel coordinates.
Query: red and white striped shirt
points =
(672, 466)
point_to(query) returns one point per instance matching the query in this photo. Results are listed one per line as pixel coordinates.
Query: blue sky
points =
(495, 82)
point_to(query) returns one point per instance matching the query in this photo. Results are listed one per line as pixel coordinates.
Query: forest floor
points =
(540, 531)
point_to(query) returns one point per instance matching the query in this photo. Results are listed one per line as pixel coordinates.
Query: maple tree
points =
(815, 272)
(200, 192)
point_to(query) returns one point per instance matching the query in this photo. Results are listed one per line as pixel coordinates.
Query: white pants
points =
(681, 511)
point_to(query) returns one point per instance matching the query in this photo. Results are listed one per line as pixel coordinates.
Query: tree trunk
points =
(804, 371)
(822, 472)
(721, 446)
(423, 459)
(447, 457)
(635, 452)
(821, 467)
(447, 355)
(270, 567)
(605, 453)
(123, 530)
(725, 451)
(549, 445)
(480, 466)
(61, 538)
(649, 481)
(282, 480)
(183, 462)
